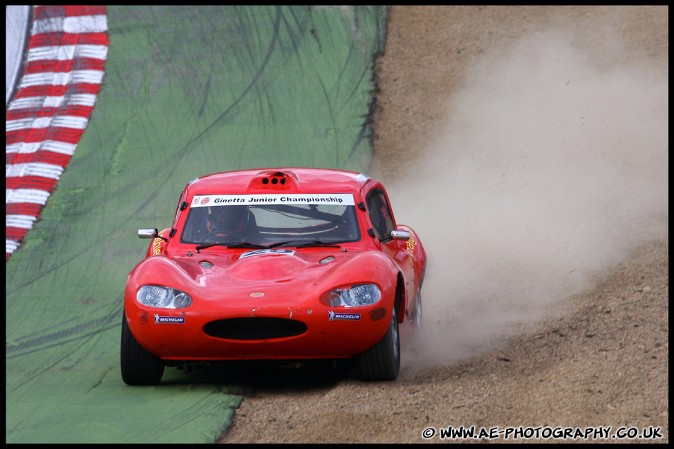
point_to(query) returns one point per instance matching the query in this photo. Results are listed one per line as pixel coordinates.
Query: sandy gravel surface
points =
(546, 301)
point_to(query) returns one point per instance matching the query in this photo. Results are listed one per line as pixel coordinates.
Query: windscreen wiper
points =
(304, 244)
(231, 245)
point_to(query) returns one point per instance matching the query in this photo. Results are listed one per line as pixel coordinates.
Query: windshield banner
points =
(342, 199)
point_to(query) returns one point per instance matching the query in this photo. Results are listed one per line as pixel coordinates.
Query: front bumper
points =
(271, 332)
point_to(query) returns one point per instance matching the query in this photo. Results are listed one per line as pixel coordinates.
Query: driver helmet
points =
(230, 219)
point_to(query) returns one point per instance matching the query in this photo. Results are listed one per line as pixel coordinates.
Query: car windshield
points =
(271, 220)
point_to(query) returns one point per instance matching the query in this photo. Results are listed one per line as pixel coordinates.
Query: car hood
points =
(270, 264)
(273, 266)
(264, 278)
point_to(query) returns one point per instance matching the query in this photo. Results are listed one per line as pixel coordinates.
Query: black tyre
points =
(139, 367)
(382, 361)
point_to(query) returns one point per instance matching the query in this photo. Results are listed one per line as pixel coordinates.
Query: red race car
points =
(292, 264)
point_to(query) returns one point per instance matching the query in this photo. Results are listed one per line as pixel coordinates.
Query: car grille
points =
(254, 328)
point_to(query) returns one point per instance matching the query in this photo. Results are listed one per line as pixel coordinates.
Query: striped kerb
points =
(62, 75)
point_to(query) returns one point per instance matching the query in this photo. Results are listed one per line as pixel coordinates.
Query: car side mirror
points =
(400, 235)
(148, 233)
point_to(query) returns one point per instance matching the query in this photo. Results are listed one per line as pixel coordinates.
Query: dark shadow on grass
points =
(246, 377)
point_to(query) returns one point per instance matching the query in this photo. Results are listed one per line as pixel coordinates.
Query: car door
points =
(383, 222)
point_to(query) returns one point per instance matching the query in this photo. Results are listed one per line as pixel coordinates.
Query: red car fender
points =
(158, 270)
(158, 244)
(417, 254)
(416, 251)
(371, 267)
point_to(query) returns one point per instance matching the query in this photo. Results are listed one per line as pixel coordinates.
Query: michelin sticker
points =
(333, 316)
(158, 319)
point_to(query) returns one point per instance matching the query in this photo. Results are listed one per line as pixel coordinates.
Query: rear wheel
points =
(139, 367)
(382, 361)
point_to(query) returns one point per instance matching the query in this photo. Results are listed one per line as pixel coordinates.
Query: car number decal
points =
(156, 246)
(411, 243)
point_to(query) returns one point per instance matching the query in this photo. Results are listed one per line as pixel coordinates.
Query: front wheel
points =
(139, 367)
(382, 361)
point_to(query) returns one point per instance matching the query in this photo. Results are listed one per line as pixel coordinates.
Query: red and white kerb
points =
(62, 74)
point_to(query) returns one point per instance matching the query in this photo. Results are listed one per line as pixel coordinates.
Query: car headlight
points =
(354, 296)
(165, 297)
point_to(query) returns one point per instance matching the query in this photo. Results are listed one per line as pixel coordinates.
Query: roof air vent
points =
(275, 180)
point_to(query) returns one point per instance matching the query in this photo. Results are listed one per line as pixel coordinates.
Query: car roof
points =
(279, 180)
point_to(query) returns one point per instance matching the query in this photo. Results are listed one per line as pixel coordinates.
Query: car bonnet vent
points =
(275, 180)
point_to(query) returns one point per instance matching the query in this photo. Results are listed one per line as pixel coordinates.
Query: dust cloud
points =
(550, 168)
